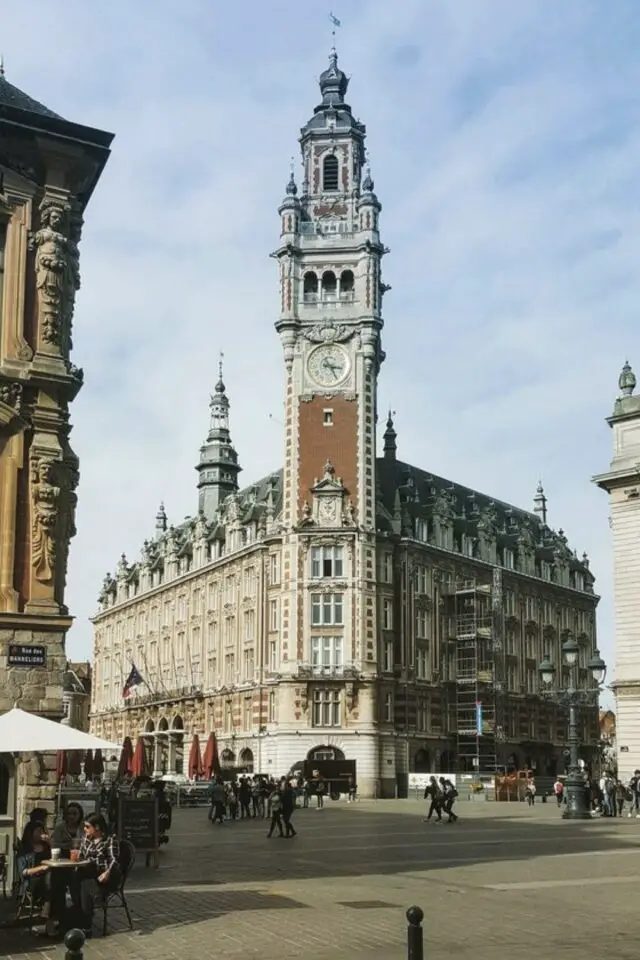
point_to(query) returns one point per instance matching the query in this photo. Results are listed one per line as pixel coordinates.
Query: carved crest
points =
(328, 333)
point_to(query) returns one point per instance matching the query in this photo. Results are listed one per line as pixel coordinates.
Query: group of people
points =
(612, 796)
(260, 797)
(68, 897)
(442, 795)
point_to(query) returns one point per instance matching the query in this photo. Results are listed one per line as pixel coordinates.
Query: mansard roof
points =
(406, 493)
(11, 96)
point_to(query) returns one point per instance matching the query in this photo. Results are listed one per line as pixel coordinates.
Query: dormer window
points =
(330, 172)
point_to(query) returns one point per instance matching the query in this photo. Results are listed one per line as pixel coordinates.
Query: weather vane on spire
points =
(220, 361)
(335, 23)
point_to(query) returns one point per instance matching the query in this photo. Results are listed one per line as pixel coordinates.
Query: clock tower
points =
(330, 323)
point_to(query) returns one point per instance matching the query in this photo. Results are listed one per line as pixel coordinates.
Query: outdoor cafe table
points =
(65, 863)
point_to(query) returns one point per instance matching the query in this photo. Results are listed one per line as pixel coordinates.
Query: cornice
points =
(30, 621)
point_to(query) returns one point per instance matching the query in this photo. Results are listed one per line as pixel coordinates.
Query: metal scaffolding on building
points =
(479, 673)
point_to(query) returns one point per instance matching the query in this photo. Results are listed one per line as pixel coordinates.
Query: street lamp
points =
(576, 808)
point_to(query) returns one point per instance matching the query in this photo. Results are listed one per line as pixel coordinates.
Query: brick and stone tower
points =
(622, 483)
(330, 322)
(49, 168)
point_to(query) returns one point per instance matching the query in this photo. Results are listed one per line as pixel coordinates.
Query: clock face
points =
(328, 365)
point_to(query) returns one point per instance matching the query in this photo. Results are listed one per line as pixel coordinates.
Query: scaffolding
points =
(479, 673)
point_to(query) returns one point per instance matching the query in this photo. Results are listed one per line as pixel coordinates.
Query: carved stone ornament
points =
(45, 502)
(10, 393)
(328, 333)
(57, 270)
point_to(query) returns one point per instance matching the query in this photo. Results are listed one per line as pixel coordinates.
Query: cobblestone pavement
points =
(506, 875)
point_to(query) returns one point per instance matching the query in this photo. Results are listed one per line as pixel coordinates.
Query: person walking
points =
(558, 789)
(288, 799)
(321, 789)
(276, 812)
(433, 793)
(450, 795)
(530, 791)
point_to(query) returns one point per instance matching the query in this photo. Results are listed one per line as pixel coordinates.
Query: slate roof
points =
(11, 96)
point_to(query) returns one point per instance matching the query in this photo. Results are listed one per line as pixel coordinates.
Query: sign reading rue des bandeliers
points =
(26, 656)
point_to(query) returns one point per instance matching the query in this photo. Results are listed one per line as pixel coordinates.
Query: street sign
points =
(26, 656)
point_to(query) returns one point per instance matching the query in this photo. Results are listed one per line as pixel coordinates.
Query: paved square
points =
(506, 877)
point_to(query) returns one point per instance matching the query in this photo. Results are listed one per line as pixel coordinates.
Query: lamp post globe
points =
(547, 671)
(570, 651)
(598, 667)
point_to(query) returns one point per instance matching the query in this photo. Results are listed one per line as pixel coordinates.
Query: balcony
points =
(316, 303)
(313, 671)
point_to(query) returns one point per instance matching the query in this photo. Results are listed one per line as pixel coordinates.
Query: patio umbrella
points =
(23, 732)
(139, 759)
(211, 762)
(126, 759)
(195, 769)
(98, 764)
(88, 765)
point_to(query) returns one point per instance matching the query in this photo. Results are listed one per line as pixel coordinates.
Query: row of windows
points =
(328, 286)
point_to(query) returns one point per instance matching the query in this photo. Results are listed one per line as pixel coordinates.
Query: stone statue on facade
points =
(56, 265)
(45, 496)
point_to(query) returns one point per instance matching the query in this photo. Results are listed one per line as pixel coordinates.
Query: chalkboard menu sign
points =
(138, 823)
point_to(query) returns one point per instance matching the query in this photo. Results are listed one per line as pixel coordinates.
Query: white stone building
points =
(347, 604)
(622, 482)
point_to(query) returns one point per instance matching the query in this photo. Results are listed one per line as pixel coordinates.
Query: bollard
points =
(74, 942)
(415, 947)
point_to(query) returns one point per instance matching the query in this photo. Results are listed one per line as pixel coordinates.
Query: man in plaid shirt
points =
(102, 872)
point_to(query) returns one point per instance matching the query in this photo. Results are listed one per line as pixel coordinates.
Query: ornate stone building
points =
(622, 483)
(49, 168)
(345, 605)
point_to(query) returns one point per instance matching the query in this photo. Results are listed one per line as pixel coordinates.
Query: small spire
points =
(1, 64)
(367, 183)
(627, 380)
(390, 435)
(291, 186)
(161, 520)
(540, 503)
(219, 387)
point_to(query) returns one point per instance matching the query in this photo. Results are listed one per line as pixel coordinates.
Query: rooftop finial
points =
(335, 22)
(291, 186)
(389, 437)
(1, 65)
(540, 503)
(220, 363)
(627, 380)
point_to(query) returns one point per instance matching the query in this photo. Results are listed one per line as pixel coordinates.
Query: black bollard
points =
(74, 942)
(415, 946)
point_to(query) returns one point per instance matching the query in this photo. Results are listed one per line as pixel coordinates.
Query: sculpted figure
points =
(45, 512)
(52, 268)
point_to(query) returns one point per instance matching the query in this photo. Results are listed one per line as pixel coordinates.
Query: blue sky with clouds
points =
(505, 146)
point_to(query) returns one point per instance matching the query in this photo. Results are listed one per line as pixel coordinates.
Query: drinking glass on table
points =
(74, 854)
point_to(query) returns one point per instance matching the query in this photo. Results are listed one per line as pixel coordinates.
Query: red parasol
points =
(126, 759)
(139, 759)
(196, 768)
(98, 764)
(88, 765)
(211, 762)
(61, 766)
(74, 763)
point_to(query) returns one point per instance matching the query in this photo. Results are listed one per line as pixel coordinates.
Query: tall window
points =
(421, 663)
(421, 579)
(422, 715)
(274, 568)
(247, 713)
(326, 653)
(421, 623)
(330, 171)
(249, 624)
(327, 562)
(229, 670)
(388, 707)
(272, 655)
(212, 672)
(387, 567)
(273, 707)
(326, 609)
(248, 665)
(387, 614)
(326, 708)
(274, 615)
(387, 659)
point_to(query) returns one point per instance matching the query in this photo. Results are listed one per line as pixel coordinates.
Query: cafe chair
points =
(116, 899)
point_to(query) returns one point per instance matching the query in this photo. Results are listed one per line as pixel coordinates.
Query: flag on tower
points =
(133, 680)
(334, 20)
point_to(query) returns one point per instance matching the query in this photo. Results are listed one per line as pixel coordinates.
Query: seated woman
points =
(102, 874)
(34, 848)
(68, 834)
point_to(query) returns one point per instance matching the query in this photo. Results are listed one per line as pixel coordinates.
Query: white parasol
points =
(22, 732)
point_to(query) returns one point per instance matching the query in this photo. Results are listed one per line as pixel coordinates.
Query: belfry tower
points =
(330, 322)
(218, 468)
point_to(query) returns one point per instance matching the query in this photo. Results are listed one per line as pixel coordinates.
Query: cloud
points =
(503, 143)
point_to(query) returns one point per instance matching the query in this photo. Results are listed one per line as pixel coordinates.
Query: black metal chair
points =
(116, 899)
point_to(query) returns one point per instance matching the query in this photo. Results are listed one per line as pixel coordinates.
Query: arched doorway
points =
(227, 758)
(447, 761)
(176, 746)
(422, 761)
(246, 760)
(325, 753)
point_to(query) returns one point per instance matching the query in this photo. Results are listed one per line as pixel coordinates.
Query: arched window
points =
(310, 286)
(325, 753)
(246, 760)
(330, 170)
(346, 284)
(329, 285)
(227, 758)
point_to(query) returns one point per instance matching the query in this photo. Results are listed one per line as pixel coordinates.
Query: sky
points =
(505, 147)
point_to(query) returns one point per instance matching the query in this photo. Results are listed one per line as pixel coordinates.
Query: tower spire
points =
(218, 467)
(540, 503)
(390, 435)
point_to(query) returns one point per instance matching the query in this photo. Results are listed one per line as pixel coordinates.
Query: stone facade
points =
(48, 169)
(622, 482)
(323, 611)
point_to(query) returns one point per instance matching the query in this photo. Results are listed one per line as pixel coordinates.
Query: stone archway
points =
(325, 753)
(422, 761)
(227, 758)
(246, 760)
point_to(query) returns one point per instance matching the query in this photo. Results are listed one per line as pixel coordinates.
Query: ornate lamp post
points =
(576, 808)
